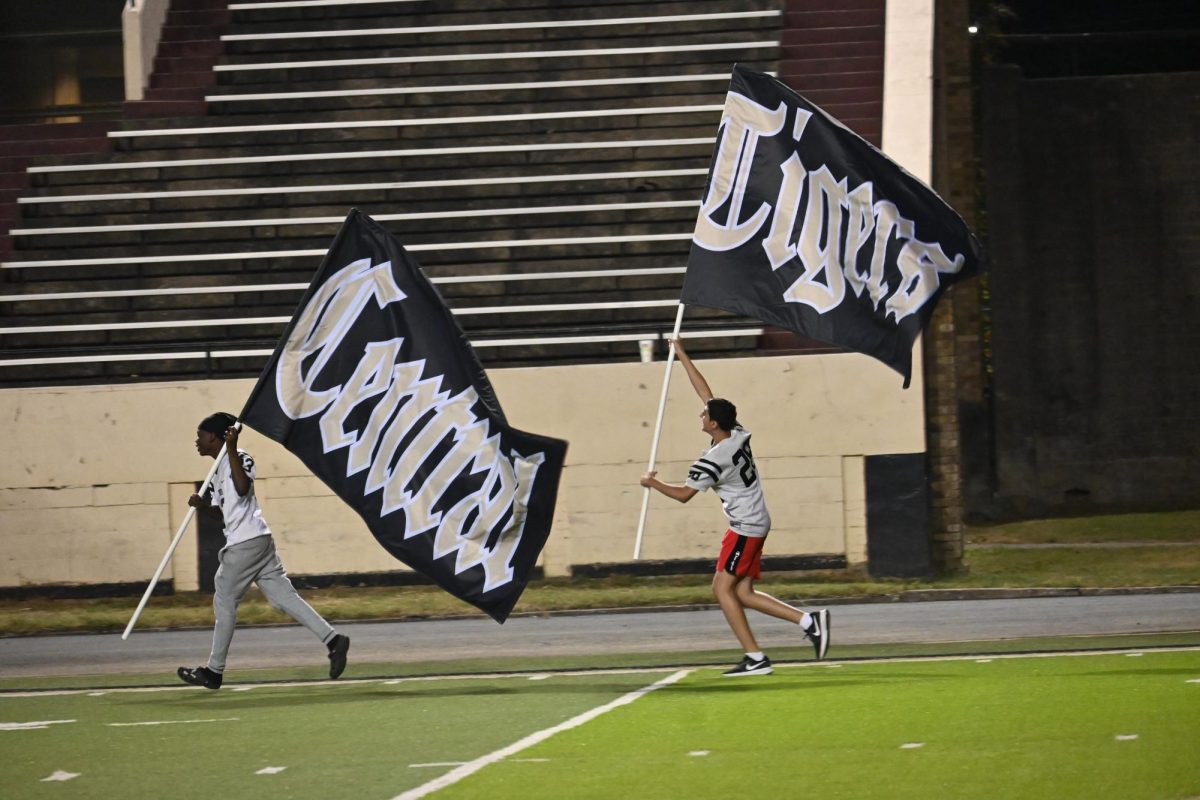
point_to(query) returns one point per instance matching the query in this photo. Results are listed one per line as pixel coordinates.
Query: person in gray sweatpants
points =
(248, 556)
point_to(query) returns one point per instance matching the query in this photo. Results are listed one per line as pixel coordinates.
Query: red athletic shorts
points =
(741, 555)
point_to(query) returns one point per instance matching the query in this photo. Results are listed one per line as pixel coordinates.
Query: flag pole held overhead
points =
(662, 405)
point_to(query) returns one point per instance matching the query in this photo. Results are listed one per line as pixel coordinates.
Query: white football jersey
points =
(243, 516)
(728, 467)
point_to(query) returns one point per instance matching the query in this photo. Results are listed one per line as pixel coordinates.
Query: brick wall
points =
(833, 55)
(1092, 204)
(954, 379)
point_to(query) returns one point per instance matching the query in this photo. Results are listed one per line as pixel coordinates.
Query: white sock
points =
(755, 656)
(806, 621)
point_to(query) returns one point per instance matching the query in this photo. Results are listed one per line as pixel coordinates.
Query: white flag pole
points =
(662, 406)
(187, 519)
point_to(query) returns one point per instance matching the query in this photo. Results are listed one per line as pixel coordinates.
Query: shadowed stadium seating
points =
(543, 160)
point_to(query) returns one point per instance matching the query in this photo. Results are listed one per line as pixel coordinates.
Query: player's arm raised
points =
(698, 382)
(241, 481)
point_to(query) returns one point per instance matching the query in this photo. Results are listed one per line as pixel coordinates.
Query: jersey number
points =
(749, 476)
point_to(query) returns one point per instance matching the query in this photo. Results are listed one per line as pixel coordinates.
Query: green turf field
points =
(1122, 725)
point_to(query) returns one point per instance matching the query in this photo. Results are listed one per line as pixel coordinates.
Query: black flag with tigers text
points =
(806, 226)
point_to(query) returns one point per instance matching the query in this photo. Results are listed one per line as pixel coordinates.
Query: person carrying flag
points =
(728, 468)
(248, 555)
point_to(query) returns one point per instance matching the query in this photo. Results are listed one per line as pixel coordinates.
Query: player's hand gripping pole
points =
(662, 406)
(187, 520)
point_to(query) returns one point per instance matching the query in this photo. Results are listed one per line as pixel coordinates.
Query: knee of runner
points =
(721, 584)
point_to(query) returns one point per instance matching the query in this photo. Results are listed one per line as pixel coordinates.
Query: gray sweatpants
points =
(255, 561)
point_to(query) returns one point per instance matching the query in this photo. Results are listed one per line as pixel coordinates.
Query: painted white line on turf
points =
(470, 768)
(698, 753)
(270, 770)
(169, 722)
(437, 764)
(32, 726)
(1193, 680)
(1126, 737)
(1133, 655)
(59, 775)
(998, 656)
(588, 672)
(911, 745)
(348, 681)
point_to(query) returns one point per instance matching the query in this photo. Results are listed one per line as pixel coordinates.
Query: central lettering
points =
(414, 413)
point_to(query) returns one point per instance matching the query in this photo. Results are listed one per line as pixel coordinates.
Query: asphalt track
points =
(603, 633)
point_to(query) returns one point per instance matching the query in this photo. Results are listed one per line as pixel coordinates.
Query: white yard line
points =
(169, 722)
(32, 726)
(594, 672)
(346, 682)
(995, 656)
(471, 767)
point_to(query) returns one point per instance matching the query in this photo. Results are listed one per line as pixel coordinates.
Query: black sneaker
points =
(200, 676)
(339, 645)
(818, 634)
(748, 666)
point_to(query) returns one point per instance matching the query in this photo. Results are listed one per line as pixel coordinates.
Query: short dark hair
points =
(217, 423)
(722, 412)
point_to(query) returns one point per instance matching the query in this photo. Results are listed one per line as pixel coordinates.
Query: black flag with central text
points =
(376, 389)
(807, 226)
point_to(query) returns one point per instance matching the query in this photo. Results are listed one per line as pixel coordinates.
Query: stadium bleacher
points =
(542, 160)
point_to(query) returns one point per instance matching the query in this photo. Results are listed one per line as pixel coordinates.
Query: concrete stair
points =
(470, 215)
(20, 144)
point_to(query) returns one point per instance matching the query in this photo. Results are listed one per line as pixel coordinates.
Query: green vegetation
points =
(1176, 561)
(907, 730)
(1080, 726)
(1168, 526)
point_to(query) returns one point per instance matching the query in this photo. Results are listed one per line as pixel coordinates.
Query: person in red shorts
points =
(728, 468)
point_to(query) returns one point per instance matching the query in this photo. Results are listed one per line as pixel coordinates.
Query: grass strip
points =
(1067, 567)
